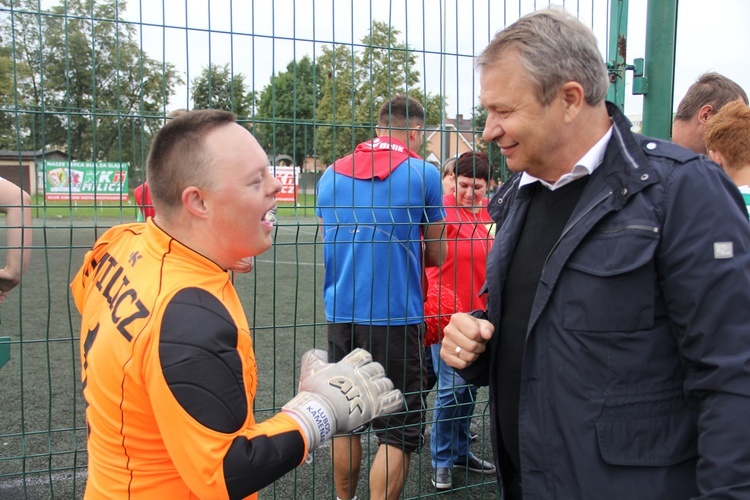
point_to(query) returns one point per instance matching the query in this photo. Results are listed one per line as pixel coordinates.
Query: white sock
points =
(353, 498)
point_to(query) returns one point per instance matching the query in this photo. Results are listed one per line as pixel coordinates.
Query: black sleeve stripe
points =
(200, 362)
(252, 464)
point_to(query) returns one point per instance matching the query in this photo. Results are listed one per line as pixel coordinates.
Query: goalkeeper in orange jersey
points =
(168, 370)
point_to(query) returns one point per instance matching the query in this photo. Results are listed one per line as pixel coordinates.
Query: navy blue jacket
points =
(636, 370)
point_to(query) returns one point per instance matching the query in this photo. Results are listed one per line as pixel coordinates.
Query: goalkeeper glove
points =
(341, 397)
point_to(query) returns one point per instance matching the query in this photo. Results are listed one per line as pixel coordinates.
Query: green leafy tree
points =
(500, 170)
(384, 68)
(83, 83)
(217, 88)
(21, 79)
(357, 83)
(338, 131)
(283, 123)
(8, 130)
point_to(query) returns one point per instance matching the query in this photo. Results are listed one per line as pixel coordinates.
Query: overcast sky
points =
(712, 36)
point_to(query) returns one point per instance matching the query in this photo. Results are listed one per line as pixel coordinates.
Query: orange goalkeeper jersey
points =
(169, 376)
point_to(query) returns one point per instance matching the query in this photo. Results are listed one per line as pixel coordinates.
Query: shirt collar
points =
(585, 166)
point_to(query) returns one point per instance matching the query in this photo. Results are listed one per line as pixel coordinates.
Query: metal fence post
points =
(661, 29)
(618, 44)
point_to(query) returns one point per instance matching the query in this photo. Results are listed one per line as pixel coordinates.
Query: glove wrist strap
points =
(315, 416)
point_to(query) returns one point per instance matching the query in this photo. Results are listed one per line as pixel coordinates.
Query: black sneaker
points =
(475, 464)
(442, 478)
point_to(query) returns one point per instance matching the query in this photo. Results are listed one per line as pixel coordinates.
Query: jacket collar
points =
(626, 169)
(585, 166)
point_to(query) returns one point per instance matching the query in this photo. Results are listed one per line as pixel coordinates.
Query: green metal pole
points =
(661, 30)
(618, 44)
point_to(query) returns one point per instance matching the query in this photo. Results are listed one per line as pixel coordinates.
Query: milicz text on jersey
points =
(123, 302)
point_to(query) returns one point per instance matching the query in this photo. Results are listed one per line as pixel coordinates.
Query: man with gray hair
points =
(617, 366)
(703, 99)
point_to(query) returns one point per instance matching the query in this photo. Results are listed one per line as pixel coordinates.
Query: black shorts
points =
(400, 350)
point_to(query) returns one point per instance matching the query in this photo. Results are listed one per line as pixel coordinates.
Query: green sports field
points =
(42, 427)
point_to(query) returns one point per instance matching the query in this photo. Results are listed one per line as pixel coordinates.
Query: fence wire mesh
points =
(91, 82)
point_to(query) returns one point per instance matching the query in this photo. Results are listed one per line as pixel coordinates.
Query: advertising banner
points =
(85, 180)
(289, 177)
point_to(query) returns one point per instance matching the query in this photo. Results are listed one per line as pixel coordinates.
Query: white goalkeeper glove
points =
(341, 397)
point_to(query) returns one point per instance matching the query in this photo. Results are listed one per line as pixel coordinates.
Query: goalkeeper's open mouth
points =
(269, 218)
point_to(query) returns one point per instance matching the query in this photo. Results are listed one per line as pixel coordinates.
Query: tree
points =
(22, 89)
(337, 133)
(356, 84)
(217, 88)
(83, 83)
(500, 170)
(385, 67)
(8, 131)
(286, 112)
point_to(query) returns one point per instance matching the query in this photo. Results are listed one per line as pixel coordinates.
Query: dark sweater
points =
(548, 213)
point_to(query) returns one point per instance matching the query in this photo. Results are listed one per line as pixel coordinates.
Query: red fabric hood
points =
(142, 197)
(375, 158)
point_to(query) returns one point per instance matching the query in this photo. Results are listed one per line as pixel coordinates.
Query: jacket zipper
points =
(650, 229)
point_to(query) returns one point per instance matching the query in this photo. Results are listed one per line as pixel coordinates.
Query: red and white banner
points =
(289, 177)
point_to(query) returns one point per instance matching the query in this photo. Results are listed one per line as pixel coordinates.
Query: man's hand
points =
(341, 397)
(8, 281)
(465, 339)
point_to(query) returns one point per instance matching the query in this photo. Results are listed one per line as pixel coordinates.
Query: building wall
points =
(15, 171)
(21, 169)
(456, 145)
